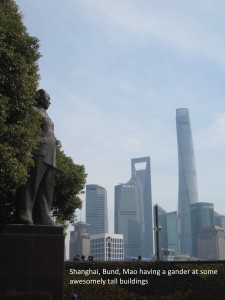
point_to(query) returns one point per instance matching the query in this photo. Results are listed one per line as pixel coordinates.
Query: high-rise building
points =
(133, 210)
(187, 190)
(162, 221)
(96, 209)
(202, 215)
(107, 247)
(79, 241)
(168, 230)
(140, 168)
(171, 219)
(128, 219)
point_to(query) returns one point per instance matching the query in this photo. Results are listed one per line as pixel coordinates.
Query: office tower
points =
(79, 241)
(107, 247)
(162, 221)
(168, 230)
(202, 215)
(211, 243)
(140, 168)
(96, 209)
(187, 190)
(171, 219)
(128, 220)
(133, 210)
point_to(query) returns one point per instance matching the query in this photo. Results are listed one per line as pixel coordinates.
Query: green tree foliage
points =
(70, 180)
(18, 84)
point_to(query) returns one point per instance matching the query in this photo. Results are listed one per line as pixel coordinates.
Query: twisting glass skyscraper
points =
(187, 191)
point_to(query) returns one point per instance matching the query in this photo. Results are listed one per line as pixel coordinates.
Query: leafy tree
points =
(70, 180)
(18, 84)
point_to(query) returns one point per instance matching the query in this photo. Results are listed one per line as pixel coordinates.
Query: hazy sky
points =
(117, 70)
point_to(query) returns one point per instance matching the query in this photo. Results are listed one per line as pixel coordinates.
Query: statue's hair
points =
(40, 94)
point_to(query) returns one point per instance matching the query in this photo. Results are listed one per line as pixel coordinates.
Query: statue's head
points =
(43, 99)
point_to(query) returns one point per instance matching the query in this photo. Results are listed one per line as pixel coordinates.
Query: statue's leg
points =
(27, 193)
(43, 202)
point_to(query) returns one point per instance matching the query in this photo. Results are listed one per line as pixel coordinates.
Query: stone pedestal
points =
(31, 262)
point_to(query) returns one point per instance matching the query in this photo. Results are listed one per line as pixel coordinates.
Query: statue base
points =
(31, 262)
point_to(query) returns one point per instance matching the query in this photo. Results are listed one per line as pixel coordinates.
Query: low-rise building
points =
(107, 247)
(211, 243)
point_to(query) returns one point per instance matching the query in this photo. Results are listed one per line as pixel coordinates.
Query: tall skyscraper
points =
(133, 210)
(128, 220)
(202, 215)
(96, 209)
(187, 190)
(142, 176)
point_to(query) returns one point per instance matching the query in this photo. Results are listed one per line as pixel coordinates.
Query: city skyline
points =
(116, 71)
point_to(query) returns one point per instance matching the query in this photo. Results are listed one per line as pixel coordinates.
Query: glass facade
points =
(127, 218)
(162, 220)
(140, 171)
(168, 232)
(96, 209)
(171, 219)
(187, 189)
(202, 215)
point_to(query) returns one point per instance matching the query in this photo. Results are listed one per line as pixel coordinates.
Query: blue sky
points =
(116, 72)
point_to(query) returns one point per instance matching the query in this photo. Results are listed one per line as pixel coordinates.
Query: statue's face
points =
(45, 100)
